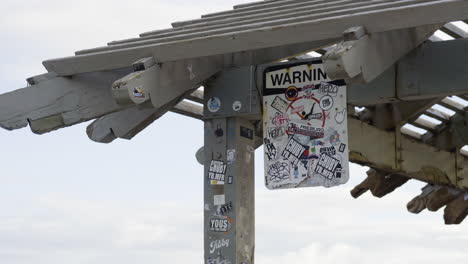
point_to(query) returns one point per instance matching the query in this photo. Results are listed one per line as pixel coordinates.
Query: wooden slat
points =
(455, 31)
(206, 25)
(300, 6)
(249, 23)
(262, 37)
(257, 3)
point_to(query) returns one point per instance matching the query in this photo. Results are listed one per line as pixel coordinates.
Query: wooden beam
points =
(54, 103)
(456, 211)
(363, 57)
(399, 154)
(128, 123)
(380, 183)
(269, 34)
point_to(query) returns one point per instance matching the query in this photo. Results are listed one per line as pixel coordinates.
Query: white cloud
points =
(64, 199)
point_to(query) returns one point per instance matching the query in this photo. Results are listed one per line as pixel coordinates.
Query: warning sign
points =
(305, 127)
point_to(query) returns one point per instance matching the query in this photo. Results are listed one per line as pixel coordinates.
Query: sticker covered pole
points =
(229, 216)
(232, 106)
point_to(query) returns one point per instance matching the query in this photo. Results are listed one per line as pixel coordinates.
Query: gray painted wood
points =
(127, 123)
(300, 7)
(369, 56)
(60, 102)
(249, 22)
(267, 36)
(246, 22)
(265, 2)
(260, 6)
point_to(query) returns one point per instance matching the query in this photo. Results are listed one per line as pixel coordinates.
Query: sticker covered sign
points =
(305, 127)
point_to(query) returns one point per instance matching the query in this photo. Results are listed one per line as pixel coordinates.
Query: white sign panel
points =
(305, 127)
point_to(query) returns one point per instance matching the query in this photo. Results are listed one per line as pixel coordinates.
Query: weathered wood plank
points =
(249, 22)
(380, 183)
(265, 35)
(60, 102)
(401, 155)
(456, 211)
(127, 123)
(366, 57)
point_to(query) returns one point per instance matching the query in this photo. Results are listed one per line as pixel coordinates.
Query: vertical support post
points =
(229, 218)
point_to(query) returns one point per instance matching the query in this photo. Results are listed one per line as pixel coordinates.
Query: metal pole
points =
(229, 215)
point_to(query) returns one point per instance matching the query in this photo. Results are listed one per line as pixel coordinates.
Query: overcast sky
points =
(66, 199)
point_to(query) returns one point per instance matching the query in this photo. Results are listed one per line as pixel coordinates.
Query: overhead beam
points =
(456, 211)
(268, 34)
(380, 183)
(418, 76)
(248, 20)
(362, 57)
(245, 19)
(128, 123)
(433, 197)
(399, 154)
(57, 102)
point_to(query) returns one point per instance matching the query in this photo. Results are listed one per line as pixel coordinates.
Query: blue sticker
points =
(214, 104)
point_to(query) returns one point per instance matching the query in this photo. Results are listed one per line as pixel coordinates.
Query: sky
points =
(66, 199)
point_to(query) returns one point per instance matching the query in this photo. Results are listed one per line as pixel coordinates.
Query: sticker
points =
(231, 156)
(219, 132)
(220, 224)
(334, 137)
(218, 260)
(275, 132)
(246, 132)
(331, 151)
(305, 127)
(279, 104)
(214, 104)
(237, 106)
(138, 92)
(327, 166)
(280, 119)
(305, 130)
(328, 89)
(326, 102)
(342, 147)
(291, 93)
(219, 199)
(340, 116)
(224, 209)
(293, 151)
(230, 179)
(218, 244)
(270, 150)
(217, 172)
(278, 172)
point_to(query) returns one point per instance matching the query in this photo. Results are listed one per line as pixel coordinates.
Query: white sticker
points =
(214, 104)
(326, 102)
(231, 155)
(237, 106)
(219, 199)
